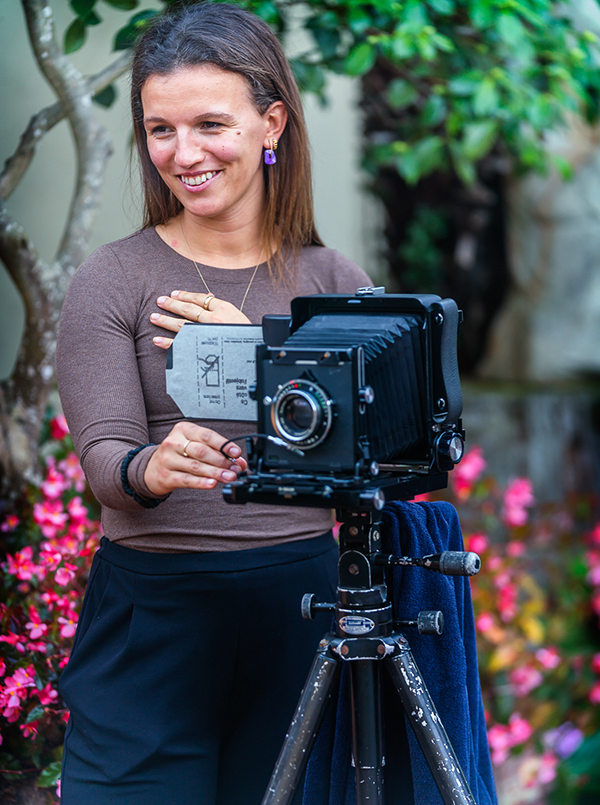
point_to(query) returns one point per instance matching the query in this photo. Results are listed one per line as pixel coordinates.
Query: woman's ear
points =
(276, 119)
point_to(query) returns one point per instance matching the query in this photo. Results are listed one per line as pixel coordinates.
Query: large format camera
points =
(358, 399)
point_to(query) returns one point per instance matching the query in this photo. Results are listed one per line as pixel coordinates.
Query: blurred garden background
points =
(456, 151)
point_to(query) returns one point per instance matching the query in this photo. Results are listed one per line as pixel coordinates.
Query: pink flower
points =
(77, 511)
(47, 695)
(594, 694)
(65, 575)
(11, 522)
(548, 658)
(539, 770)
(2, 667)
(29, 730)
(13, 640)
(520, 729)
(17, 684)
(69, 626)
(58, 427)
(484, 622)
(58, 788)
(71, 467)
(478, 543)
(595, 535)
(11, 714)
(500, 741)
(525, 679)
(466, 473)
(36, 629)
(54, 484)
(517, 498)
(50, 516)
(596, 663)
(22, 566)
(515, 548)
(39, 646)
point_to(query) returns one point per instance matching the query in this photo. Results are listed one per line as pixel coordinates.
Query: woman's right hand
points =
(202, 467)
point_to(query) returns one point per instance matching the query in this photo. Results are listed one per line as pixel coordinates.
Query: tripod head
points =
(362, 607)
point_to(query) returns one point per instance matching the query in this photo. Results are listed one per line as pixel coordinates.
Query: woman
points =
(191, 652)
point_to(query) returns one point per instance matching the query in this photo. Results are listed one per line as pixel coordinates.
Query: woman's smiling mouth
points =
(200, 179)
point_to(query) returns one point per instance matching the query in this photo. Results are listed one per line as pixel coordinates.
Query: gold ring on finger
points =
(185, 447)
(207, 301)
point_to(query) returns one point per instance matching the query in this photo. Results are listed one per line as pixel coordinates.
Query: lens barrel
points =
(302, 413)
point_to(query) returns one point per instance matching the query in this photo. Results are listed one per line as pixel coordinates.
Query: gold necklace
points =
(202, 278)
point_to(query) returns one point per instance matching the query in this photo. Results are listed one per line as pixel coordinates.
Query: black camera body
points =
(361, 380)
(354, 391)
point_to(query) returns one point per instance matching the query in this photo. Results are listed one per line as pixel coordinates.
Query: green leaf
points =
(442, 6)
(511, 30)
(106, 97)
(486, 99)
(425, 157)
(433, 112)
(75, 36)
(479, 138)
(35, 714)
(360, 59)
(401, 94)
(564, 168)
(267, 11)
(310, 77)
(327, 40)
(82, 7)
(127, 35)
(359, 21)
(585, 759)
(123, 5)
(463, 166)
(463, 86)
(92, 19)
(49, 775)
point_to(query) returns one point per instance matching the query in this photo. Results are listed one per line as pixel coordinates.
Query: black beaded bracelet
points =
(147, 503)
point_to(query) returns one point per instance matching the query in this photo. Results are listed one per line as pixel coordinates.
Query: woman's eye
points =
(210, 124)
(158, 130)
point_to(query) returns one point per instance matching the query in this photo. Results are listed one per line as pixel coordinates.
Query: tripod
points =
(366, 639)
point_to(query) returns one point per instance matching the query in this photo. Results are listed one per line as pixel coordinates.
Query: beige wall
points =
(345, 217)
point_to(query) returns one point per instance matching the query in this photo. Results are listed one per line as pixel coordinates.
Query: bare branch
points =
(92, 144)
(41, 123)
(20, 257)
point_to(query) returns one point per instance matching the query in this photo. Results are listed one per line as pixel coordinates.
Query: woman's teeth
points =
(195, 180)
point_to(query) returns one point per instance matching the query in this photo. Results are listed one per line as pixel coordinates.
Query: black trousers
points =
(186, 670)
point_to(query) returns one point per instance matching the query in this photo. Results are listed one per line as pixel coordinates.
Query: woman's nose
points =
(187, 152)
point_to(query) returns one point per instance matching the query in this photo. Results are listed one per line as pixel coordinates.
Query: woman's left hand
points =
(188, 306)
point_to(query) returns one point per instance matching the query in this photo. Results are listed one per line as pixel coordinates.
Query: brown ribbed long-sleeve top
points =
(111, 381)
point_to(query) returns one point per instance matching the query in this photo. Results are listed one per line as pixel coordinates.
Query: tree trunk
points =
(24, 396)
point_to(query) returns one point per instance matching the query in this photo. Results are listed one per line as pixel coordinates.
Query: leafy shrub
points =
(50, 545)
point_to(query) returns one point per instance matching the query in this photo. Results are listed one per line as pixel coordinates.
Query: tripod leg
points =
(367, 734)
(427, 726)
(303, 729)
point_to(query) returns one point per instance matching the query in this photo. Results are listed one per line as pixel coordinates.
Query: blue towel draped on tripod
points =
(448, 664)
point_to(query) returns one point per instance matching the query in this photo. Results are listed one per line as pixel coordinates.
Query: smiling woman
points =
(190, 651)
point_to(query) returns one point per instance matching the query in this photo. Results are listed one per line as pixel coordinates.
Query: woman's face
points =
(206, 139)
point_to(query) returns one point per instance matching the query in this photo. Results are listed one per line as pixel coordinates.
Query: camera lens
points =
(302, 413)
(298, 414)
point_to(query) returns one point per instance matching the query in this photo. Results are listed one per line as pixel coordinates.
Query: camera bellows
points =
(390, 362)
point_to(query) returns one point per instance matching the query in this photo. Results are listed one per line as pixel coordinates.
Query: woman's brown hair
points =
(232, 39)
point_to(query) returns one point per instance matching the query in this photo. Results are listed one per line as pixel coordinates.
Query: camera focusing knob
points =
(366, 395)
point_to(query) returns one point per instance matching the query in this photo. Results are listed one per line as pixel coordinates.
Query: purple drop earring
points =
(270, 158)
